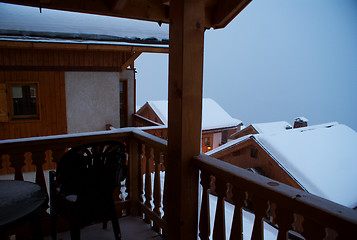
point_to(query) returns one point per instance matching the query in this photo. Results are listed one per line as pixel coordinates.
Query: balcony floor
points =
(132, 228)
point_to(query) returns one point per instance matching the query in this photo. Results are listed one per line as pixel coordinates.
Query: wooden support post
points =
(187, 21)
(134, 172)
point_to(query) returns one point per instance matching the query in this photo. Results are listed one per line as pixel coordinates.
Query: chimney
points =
(300, 122)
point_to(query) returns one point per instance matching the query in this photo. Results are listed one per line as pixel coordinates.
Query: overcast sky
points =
(276, 61)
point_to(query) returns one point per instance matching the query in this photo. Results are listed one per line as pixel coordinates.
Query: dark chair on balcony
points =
(81, 189)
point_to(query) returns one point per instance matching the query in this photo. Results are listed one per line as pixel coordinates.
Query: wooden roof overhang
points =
(218, 13)
(132, 53)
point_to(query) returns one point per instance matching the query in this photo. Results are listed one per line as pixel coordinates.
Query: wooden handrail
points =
(313, 209)
(150, 139)
(64, 140)
(146, 155)
(138, 120)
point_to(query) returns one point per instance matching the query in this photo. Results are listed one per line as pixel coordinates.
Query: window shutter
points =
(4, 117)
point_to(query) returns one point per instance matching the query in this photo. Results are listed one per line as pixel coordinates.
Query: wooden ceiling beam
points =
(129, 61)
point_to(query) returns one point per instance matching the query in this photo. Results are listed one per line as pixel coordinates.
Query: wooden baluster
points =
(259, 207)
(50, 164)
(17, 162)
(29, 167)
(119, 192)
(2, 160)
(219, 229)
(164, 164)
(135, 155)
(284, 219)
(238, 198)
(157, 187)
(57, 153)
(127, 180)
(38, 159)
(204, 225)
(141, 180)
(313, 230)
(148, 155)
(5, 164)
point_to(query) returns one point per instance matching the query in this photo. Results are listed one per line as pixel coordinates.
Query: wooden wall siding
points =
(51, 94)
(11, 57)
(148, 113)
(242, 157)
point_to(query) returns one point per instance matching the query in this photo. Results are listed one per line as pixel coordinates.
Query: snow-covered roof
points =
(321, 158)
(213, 115)
(271, 127)
(29, 23)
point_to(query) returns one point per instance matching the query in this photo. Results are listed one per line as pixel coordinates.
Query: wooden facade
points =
(251, 156)
(52, 105)
(45, 64)
(147, 113)
(59, 57)
(211, 138)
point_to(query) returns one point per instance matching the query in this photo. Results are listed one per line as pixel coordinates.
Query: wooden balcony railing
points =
(146, 158)
(293, 212)
(296, 214)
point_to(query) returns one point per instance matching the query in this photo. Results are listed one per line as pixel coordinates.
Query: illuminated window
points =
(207, 143)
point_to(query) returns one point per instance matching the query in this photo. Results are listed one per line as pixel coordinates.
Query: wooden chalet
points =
(217, 124)
(290, 157)
(186, 212)
(71, 78)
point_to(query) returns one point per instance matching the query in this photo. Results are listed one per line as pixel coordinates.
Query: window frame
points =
(31, 117)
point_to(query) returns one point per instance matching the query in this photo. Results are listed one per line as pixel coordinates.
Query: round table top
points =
(18, 199)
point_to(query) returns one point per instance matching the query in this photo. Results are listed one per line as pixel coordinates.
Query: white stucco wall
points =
(92, 100)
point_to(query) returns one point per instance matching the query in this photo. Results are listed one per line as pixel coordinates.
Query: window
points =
(224, 136)
(24, 101)
(207, 143)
